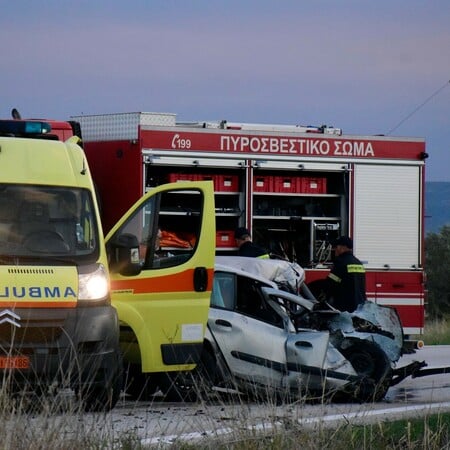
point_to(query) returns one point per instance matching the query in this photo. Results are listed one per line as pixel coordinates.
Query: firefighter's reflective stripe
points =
(265, 256)
(351, 268)
(355, 268)
(334, 277)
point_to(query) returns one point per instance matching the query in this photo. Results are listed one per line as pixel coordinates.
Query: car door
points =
(161, 259)
(249, 334)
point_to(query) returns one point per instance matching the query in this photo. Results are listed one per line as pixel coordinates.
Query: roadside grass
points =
(437, 332)
(30, 421)
(431, 433)
(56, 423)
(45, 421)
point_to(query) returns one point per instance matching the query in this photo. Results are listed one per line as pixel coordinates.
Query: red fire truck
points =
(295, 187)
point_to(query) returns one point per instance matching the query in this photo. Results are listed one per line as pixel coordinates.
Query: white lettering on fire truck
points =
(36, 292)
(179, 142)
(311, 147)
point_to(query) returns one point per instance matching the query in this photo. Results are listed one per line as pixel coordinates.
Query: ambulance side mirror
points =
(123, 255)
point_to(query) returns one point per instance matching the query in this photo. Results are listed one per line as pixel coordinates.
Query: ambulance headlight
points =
(93, 285)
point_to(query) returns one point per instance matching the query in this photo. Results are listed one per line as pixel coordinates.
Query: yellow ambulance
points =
(57, 323)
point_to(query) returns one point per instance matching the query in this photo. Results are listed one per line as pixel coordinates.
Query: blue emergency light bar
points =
(23, 127)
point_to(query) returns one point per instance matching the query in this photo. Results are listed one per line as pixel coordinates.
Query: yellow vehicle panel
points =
(163, 312)
(58, 163)
(38, 287)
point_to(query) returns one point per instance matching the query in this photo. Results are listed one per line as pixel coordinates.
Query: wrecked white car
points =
(266, 336)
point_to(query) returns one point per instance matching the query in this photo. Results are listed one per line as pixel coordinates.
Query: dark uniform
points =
(346, 282)
(248, 248)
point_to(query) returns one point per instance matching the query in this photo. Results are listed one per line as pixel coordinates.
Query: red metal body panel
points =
(62, 129)
(59, 128)
(335, 147)
(401, 289)
(118, 193)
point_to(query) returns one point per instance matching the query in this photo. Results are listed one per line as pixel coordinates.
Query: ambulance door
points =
(161, 259)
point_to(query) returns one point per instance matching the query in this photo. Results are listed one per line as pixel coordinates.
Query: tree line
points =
(437, 269)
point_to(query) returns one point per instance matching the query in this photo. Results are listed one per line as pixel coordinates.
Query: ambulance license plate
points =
(14, 362)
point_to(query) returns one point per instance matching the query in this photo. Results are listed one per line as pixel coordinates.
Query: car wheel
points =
(374, 368)
(189, 386)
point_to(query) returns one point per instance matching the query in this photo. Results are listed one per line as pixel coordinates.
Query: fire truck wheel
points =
(373, 366)
(191, 385)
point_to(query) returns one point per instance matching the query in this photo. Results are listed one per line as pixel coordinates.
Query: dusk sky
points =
(368, 67)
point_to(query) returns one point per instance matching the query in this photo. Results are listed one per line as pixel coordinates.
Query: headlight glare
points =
(93, 285)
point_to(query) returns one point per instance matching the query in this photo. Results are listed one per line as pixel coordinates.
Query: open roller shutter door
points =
(387, 215)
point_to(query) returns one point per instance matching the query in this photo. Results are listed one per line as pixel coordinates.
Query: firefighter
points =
(246, 246)
(346, 282)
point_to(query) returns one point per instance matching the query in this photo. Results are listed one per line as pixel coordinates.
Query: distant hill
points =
(437, 205)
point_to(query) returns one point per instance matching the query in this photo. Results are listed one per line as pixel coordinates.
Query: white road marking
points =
(445, 406)
(376, 412)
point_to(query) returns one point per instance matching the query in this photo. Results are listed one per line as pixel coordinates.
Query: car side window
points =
(250, 301)
(223, 292)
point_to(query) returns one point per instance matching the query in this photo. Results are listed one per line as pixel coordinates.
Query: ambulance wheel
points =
(193, 385)
(101, 398)
(374, 368)
(138, 385)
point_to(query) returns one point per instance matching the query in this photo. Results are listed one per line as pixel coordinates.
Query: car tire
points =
(374, 368)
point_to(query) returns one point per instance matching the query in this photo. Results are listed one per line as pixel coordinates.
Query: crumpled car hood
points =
(380, 324)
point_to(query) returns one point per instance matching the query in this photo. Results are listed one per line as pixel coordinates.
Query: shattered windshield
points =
(47, 221)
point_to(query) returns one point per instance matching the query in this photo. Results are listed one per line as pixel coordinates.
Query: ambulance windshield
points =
(47, 222)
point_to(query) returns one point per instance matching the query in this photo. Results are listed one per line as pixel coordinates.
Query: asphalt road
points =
(157, 422)
(429, 389)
